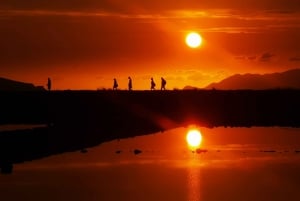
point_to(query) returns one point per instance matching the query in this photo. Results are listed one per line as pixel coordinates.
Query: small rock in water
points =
(83, 151)
(137, 151)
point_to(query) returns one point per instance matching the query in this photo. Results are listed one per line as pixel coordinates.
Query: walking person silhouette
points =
(152, 84)
(49, 84)
(115, 86)
(163, 84)
(129, 83)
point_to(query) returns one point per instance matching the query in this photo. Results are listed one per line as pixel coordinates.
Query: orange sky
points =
(84, 44)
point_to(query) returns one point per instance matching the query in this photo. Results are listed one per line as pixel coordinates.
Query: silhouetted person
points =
(115, 86)
(152, 84)
(163, 84)
(129, 83)
(49, 84)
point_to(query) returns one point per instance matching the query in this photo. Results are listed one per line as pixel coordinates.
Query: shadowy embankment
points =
(11, 85)
(80, 119)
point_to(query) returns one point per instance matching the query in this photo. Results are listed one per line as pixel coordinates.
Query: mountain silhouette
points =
(284, 80)
(11, 85)
(188, 87)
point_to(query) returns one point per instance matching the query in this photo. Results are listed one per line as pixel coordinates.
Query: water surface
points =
(241, 164)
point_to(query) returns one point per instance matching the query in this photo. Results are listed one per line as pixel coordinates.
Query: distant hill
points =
(288, 79)
(190, 88)
(11, 85)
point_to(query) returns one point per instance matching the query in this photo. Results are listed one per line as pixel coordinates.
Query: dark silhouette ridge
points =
(190, 88)
(80, 119)
(284, 80)
(11, 85)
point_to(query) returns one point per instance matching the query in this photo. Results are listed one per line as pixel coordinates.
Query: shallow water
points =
(12, 127)
(241, 164)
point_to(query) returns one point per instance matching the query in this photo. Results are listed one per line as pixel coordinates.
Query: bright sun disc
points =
(193, 40)
(194, 138)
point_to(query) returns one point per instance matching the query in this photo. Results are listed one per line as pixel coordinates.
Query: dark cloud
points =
(282, 11)
(55, 40)
(295, 59)
(150, 6)
(240, 57)
(55, 4)
(55, 32)
(265, 57)
(250, 58)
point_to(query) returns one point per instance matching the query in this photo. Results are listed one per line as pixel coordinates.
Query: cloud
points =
(152, 6)
(199, 76)
(41, 13)
(66, 32)
(295, 59)
(250, 58)
(266, 57)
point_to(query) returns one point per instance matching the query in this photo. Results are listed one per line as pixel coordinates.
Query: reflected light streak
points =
(193, 181)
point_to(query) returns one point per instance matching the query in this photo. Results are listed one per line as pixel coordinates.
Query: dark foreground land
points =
(79, 119)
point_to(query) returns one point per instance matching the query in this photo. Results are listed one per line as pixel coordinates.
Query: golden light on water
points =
(194, 138)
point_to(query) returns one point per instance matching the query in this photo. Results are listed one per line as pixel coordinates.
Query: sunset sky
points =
(84, 44)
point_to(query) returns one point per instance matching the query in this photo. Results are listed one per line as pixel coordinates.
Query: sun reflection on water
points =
(193, 180)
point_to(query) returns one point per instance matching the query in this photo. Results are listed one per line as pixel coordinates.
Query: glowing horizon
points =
(87, 44)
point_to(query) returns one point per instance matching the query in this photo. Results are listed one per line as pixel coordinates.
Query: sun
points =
(194, 138)
(193, 40)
